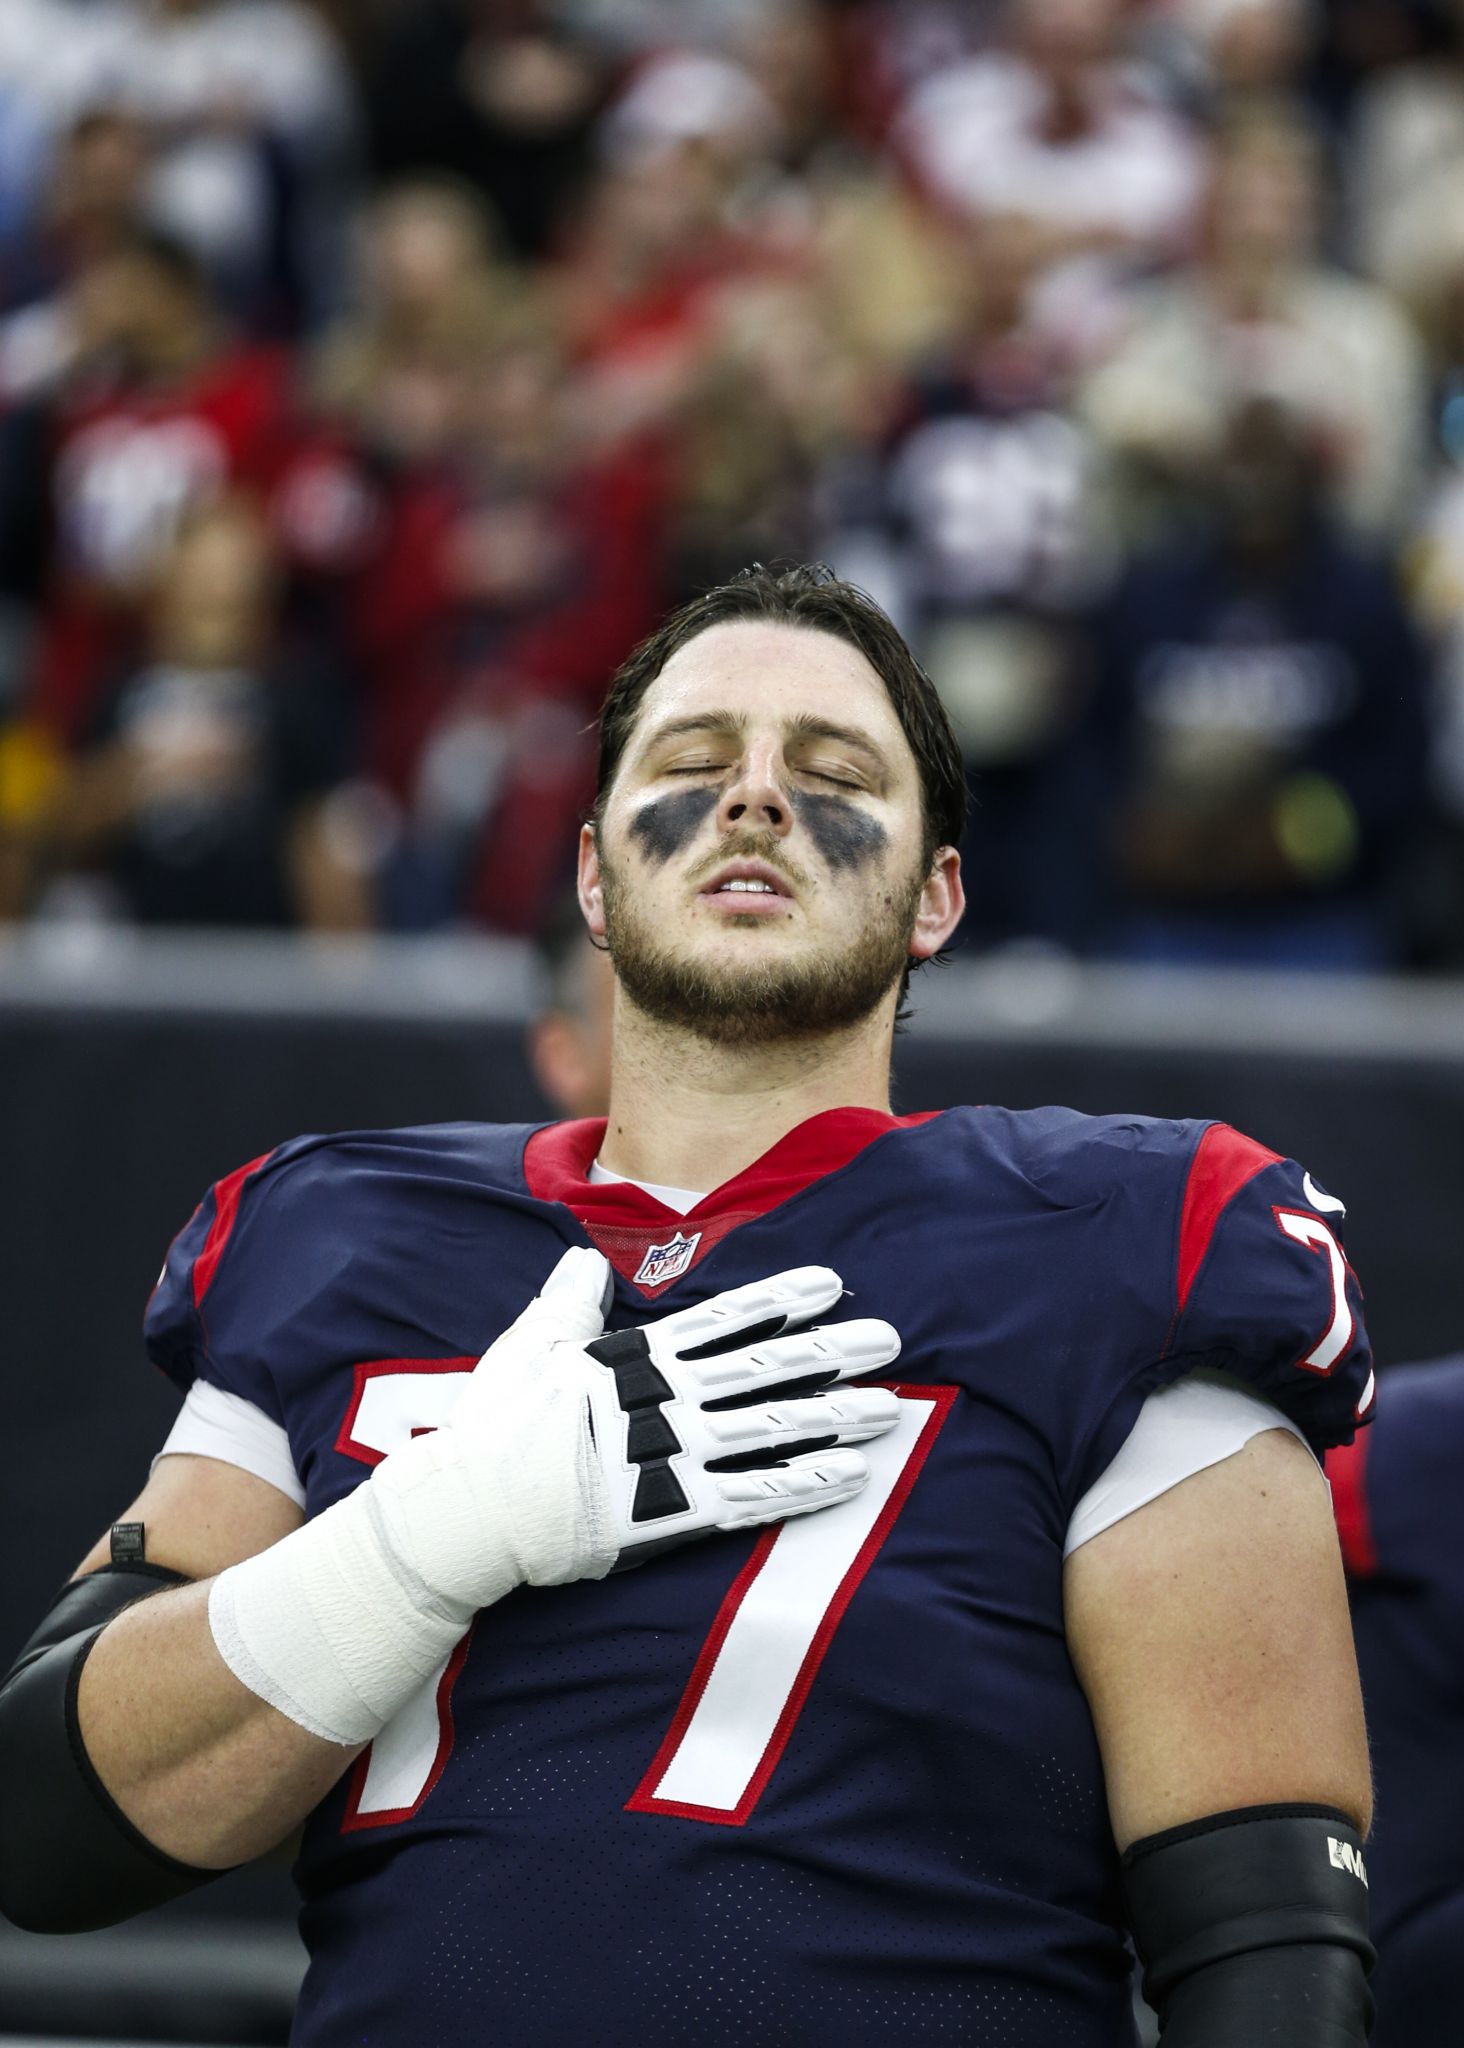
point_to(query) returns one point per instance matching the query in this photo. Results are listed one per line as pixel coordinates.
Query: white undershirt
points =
(1198, 1421)
(679, 1199)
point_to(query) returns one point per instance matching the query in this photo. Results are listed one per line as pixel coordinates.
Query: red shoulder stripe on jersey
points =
(1347, 1477)
(226, 1207)
(1224, 1161)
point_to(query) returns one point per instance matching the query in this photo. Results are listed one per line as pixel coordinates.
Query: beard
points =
(765, 1002)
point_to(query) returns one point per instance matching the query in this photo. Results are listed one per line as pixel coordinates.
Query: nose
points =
(755, 796)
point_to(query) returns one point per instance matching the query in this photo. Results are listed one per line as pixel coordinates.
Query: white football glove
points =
(569, 1452)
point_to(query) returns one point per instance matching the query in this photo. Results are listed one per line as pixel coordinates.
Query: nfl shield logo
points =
(664, 1262)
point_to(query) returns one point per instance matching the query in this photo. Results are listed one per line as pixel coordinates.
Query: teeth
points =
(750, 887)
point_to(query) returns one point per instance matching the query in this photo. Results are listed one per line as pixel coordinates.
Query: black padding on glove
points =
(651, 1442)
(1252, 1928)
(70, 1859)
(638, 1383)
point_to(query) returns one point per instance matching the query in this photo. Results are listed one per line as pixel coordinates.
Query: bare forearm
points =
(206, 1770)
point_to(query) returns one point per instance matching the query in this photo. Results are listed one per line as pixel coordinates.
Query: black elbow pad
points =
(1252, 1929)
(70, 1859)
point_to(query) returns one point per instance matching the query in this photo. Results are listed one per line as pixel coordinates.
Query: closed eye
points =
(812, 774)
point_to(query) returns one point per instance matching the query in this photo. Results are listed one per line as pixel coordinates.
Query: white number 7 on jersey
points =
(1336, 1340)
(771, 1632)
(756, 1665)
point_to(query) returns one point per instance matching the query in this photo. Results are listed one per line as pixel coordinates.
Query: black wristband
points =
(1252, 1928)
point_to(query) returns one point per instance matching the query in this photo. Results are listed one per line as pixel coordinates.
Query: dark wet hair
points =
(810, 595)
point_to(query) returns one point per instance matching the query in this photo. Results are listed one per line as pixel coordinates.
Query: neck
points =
(691, 1114)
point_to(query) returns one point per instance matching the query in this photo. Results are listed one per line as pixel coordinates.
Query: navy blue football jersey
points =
(833, 1783)
(1400, 1514)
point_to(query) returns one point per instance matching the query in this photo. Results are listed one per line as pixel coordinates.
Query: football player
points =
(1043, 1636)
(1400, 1515)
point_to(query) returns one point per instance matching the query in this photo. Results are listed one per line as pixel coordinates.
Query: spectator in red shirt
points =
(168, 413)
(512, 584)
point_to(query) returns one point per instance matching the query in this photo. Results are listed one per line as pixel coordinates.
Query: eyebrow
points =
(733, 725)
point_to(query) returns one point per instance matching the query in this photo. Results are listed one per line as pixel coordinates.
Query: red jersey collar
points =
(622, 1218)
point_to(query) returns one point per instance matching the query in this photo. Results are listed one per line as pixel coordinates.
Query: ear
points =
(942, 905)
(591, 894)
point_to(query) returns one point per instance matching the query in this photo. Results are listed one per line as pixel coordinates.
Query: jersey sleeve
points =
(184, 1334)
(1263, 1288)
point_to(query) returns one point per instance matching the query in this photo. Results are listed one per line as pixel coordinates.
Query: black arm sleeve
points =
(70, 1859)
(1252, 1929)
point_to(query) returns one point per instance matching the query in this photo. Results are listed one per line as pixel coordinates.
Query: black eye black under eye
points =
(846, 836)
(668, 823)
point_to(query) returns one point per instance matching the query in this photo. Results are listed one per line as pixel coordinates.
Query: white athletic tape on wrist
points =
(326, 1628)
(341, 1622)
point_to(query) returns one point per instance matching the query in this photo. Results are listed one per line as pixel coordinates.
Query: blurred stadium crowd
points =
(372, 376)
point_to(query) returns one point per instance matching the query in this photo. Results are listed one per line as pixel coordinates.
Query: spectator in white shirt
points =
(1058, 128)
(1259, 312)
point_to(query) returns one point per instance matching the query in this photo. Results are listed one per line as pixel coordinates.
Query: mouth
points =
(747, 888)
